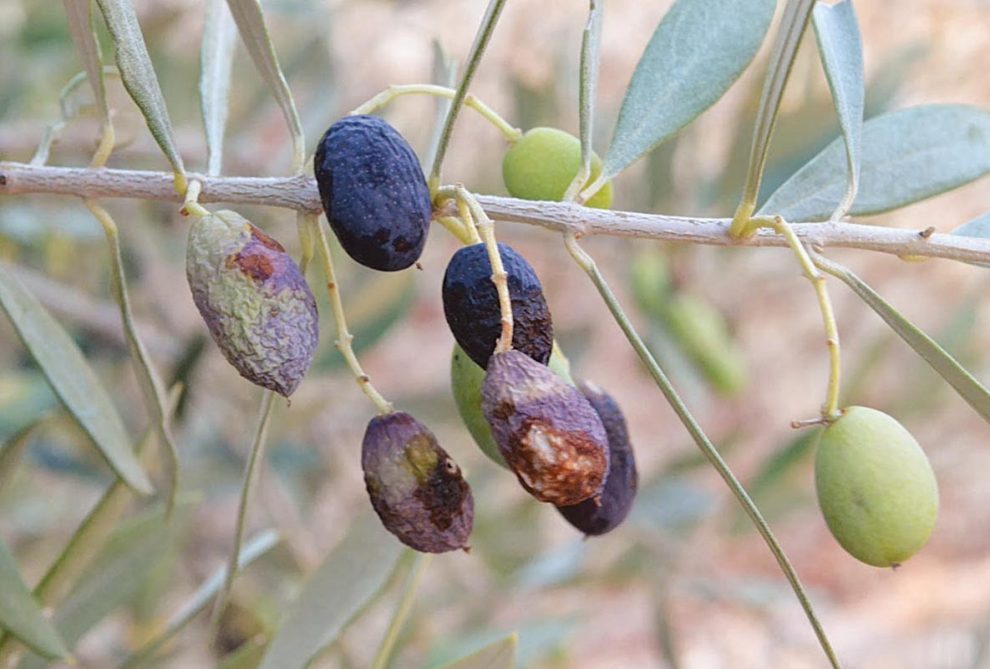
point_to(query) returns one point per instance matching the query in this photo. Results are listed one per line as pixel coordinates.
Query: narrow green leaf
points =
(12, 451)
(841, 50)
(587, 92)
(793, 23)
(247, 656)
(443, 73)
(20, 613)
(697, 51)
(250, 21)
(971, 390)
(80, 16)
(216, 58)
(138, 75)
(907, 156)
(349, 578)
(113, 578)
(72, 379)
(498, 655)
(252, 550)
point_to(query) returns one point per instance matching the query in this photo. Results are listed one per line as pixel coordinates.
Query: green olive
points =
(542, 163)
(466, 378)
(875, 487)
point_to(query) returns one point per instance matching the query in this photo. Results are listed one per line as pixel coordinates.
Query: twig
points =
(300, 193)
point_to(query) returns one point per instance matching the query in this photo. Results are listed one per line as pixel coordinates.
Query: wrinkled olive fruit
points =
(875, 487)
(470, 304)
(465, 384)
(617, 496)
(547, 432)
(373, 191)
(254, 300)
(542, 164)
(415, 487)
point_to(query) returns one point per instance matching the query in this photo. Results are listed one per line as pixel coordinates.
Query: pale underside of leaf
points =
(216, 60)
(498, 655)
(79, 14)
(841, 50)
(350, 577)
(699, 49)
(138, 75)
(21, 615)
(72, 379)
(907, 155)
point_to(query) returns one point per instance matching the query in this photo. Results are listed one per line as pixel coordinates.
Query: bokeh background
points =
(685, 582)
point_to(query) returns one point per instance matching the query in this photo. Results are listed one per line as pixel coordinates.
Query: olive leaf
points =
(216, 58)
(13, 449)
(72, 380)
(21, 615)
(978, 227)
(115, 575)
(841, 50)
(907, 156)
(80, 16)
(252, 550)
(699, 49)
(351, 575)
(250, 21)
(138, 75)
(498, 655)
(964, 383)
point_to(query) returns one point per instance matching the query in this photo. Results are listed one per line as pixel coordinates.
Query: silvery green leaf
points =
(216, 58)
(138, 75)
(72, 380)
(964, 383)
(978, 227)
(699, 49)
(351, 575)
(21, 615)
(907, 156)
(80, 16)
(250, 21)
(841, 50)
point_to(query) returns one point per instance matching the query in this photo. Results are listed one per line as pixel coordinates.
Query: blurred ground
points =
(685, 583)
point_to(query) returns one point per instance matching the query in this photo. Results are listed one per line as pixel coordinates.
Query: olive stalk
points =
(587, 263)
(486, 231)
(830, 409)
(510, 132)
(401, 613)
(344, 337)
(151, 385)
(255, 458)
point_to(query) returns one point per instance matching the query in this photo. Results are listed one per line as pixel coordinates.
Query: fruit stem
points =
(250, 476)
(455, 226)
(486, 231)
(152, 388)
(191, 203)
(401, 614)
(510, 132)
(587, 263)
(344, 337)
(830, 409)
(484, 34)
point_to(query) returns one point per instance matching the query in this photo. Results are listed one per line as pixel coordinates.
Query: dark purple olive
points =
(415, 487)
(470, 303)
(373, 191)
(546, 431)
(620, 486)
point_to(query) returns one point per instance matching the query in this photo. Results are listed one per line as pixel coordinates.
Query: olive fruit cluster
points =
(875, 487)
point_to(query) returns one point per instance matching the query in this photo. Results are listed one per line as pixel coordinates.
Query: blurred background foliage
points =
(685, 582)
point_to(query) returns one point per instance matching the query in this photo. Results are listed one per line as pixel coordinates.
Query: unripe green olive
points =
(542, 163)
(875, 487)
(466, 378)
